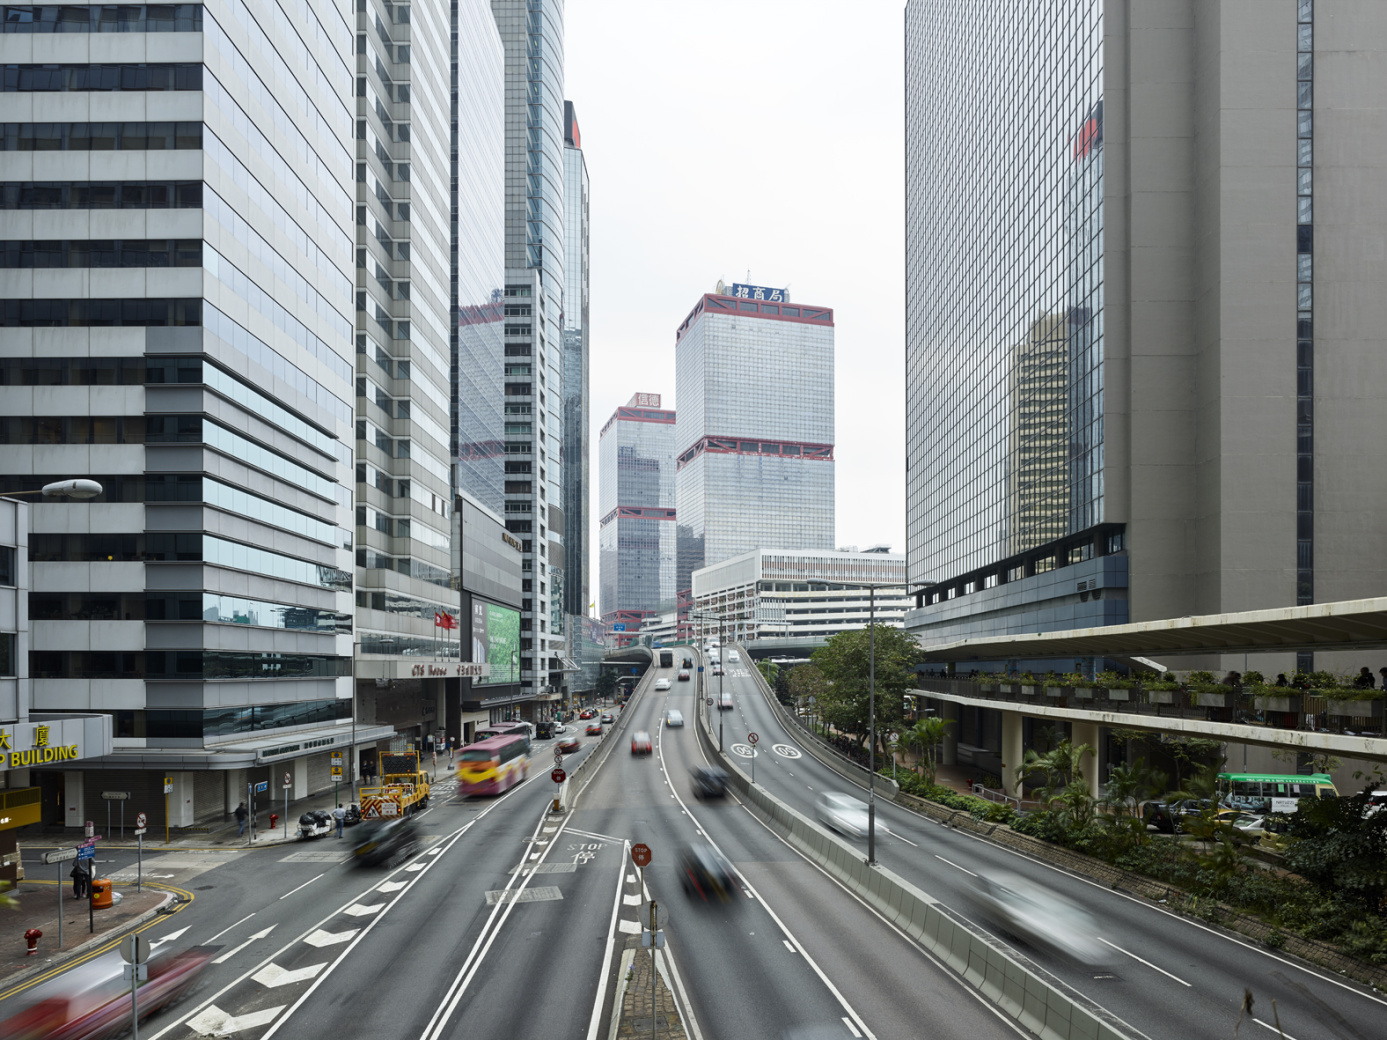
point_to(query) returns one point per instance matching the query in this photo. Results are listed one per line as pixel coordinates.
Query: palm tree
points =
(925, 736)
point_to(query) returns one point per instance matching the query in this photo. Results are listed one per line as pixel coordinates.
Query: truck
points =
(403, 790)
(666, 658)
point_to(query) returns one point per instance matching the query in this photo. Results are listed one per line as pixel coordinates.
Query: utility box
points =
(101, 893)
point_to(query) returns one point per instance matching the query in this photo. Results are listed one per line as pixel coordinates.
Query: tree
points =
(770, 671)
(606, 683)
(844, 662)
(925, 737)
(807, 687)
(1341, 848)
(1064, 792)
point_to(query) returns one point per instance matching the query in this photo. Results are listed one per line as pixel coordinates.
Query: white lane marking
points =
(415, 867)
(272, 976)
(951, 863)
(237, 949)
(390, 886)
(848, 1022)
(630, 879)
(320, 938)
(1139, 960)
(304, 885)
(609, 946)
(629, 927)
(631, 900)
(1275, 1029)
(893, 834)
(362, 910)
(594, 835)
(216, 1022)
(433, 852)
(174, 935)
(225, 930)
(789, 945)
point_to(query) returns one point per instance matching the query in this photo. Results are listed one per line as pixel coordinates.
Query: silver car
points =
(842, 812)
(1042, 918)
(674, 717)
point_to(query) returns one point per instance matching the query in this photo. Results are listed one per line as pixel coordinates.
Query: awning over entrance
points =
(1359, 624)
(257, 750)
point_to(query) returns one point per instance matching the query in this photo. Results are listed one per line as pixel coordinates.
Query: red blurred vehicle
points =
(104, 1010)
(567, 745)
(594, 729)
(587, 713)
(640, 743)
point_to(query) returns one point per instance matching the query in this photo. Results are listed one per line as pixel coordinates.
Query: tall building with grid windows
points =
(1169, 210)
(576, 420)
(177, 211)
(636, 532)
(754, 436)
(532, 32)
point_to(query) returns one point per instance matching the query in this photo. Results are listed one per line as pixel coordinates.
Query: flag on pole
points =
(442, 620)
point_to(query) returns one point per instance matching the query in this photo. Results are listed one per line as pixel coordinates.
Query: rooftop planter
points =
(1164, 693)
(1027, 691)
(1278, 698)
(1214, 697)
(1355, 704)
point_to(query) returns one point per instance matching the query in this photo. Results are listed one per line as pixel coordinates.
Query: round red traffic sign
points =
(752, 737)
(640, 854)
(141, 820)
(558, 776)
(288, 779)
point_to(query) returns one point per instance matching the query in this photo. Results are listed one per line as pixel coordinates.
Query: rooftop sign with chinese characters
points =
(754, 292)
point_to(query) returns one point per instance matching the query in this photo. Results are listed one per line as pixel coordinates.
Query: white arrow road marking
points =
(414, 867)
(321, 938)
(272, 976)
(634, 900)
(390, 886)
(361, 910)
(168, 938)
(237, 949)
(629, 927)
(216, 1022)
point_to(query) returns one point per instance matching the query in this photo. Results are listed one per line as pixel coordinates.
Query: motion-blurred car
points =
(705, 872)
(594, 729)
(662, 684)
(733, 656)
(608, 717)
(1041, 917)
(674, 717)
(842, 812)
(717, 669)
(387, 842)
(725, 702)
(587, 713)
(683, 675)
(688, 662)
(708, 781)
(640, 743)
(314, 824)
(567, 745)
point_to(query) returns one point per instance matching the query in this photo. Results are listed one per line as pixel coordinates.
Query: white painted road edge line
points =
(595, 1021)
(1134, 957)
(1273, 1028)
(951, 863)
(304, 885)
(214, 938)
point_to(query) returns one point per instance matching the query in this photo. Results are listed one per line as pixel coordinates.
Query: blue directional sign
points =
(619, 626)
(700, 668)
(262, 787)
(87, 852)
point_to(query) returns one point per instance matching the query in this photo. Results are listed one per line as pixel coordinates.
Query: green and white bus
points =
(1272, 792)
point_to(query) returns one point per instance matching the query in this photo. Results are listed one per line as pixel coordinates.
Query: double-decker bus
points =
(493, 765)
(1272, 792)
(506, 729)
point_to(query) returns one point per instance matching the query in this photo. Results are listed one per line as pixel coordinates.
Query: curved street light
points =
(80, 488)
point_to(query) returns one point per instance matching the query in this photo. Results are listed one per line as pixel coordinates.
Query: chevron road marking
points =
(321, 938)
(216, 1022)
(272, 976)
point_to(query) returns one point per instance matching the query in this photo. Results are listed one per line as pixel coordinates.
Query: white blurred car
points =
(1042, 918)
(674, 717)
(662, 684)
(842, 812)
(732, 655)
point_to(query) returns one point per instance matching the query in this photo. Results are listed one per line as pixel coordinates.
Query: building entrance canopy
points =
(1359, 624)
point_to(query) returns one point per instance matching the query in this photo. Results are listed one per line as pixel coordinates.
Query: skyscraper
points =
(576, 469)
(532, 32)
(404, 330)
(1168, 190)
(754, 384)
(637, 536)
(178, 324)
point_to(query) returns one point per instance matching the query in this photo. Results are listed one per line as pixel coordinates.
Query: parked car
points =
(608, 717)
(640, 743)
(594, 728)
(388, 842)
(674, 717)
(683, 675)
(662, 684)
(315, 823)
(567, 745)
(708, 781)
(842, 812)
(1166, 817)
(1243, 828)
(705, 872)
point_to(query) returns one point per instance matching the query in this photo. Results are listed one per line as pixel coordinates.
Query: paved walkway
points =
(637, 1003)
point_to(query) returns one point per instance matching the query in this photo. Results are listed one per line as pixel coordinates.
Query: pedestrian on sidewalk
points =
(241, 816)
(339, 817)
(80, 880)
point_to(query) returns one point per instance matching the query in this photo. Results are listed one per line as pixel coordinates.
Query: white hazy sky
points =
(727, 135)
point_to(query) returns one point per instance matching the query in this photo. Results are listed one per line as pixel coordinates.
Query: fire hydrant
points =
(32, 937)
(274, 820)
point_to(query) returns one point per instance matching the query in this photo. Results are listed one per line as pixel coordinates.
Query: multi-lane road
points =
(511, 922)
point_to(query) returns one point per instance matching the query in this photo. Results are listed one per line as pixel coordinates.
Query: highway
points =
(510, 922)
(1168, 976)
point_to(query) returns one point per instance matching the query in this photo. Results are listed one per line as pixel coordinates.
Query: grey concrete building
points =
(177, 217)
(577, 471)
(1192, 186)
(532, 32)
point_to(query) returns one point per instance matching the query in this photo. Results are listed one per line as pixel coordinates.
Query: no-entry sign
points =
(640, 854)
(752, 737)
(558, 776)
(141, 820)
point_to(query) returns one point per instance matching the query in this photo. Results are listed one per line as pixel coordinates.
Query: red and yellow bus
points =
(505, 729)
(493, 765)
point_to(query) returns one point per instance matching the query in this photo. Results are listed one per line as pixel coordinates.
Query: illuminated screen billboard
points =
(496, 639)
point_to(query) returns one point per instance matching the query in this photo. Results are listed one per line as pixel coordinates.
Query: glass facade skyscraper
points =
(576, 468)
(755, 430)
(636, 532)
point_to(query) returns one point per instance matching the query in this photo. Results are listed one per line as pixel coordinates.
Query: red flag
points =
(444, 620)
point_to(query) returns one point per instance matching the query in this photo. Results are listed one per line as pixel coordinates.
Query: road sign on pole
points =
(752, 737)
(288, 781)
(640, 854)
(168, 785)
(262, 787)
(141, 820)
(558, 776)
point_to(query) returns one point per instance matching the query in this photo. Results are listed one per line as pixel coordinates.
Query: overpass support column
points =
(1011, 753)
(948, 755)
(1088, 733)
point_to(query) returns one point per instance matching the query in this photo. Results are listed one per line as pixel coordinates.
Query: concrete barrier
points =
(981, 961)
(604, 748)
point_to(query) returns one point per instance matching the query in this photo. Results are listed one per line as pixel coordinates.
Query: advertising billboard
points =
(496, 640)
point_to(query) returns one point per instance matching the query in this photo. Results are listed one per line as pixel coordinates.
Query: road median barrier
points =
(605, 745)
(981, 961)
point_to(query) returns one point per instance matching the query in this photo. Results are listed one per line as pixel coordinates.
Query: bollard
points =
(32, 937)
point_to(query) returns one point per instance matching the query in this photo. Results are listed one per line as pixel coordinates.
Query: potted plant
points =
(1117, 687)
(1207, 692)
(1082, 684)
(1163, 690)
(1272, 698)
(1028, 684)
(1353, 703)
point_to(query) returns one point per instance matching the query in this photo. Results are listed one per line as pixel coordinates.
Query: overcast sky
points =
(727, 135)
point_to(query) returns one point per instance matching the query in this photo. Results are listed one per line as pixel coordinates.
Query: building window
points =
(6, 565)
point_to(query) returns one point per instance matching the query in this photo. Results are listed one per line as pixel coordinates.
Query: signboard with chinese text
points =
(758, 292)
